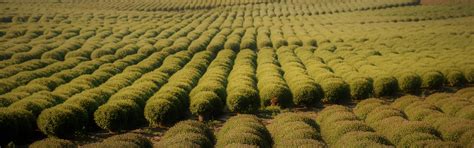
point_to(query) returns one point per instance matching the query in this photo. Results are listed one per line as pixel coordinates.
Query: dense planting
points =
(71, 68)
(188, 133)
(243, 131)
(294, 130)
(341, 128)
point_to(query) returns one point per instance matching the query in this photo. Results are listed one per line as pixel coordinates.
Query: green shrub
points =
(161, 111)
(189, 126)
(467, 138)
(243, 129)
(206, 103)
(241, 138)
(306, 143)
(409, 82)
(456, 78)
(294, 130)
(243, 100)
(279, 93)
(124, 140)
(16, 125)
(410, 128)
(329, 111)
(307, 94)
(117, 115)
(62, 121)
(6, 101)
(361, 139)
(334, 132)
(188, 133)
(412, 139)
(361, 88)
(335, 90)
(53, 142)
(469, 74)
(466, 112)
(382, 112)
(233, 43)
(385, 86)
(402, 102)
(432, 79)
(279, 42)
(195, 139)
(419, 110)
(136, 139)
(453, 105)
(436, 97)
(294, 41)
(248, 43)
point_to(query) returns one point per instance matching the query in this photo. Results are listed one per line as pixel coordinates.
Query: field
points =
(236, 73)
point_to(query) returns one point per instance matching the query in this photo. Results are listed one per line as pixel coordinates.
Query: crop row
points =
(395, 126)
(450, 127)
(418, 122)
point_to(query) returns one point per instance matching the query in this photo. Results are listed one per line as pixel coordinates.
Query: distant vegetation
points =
(69, 68)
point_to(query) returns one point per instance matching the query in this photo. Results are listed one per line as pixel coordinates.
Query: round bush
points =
(16, 125)
(409, 128)
(362, 139)
(402, 102)
(412, 139)
(279, 42)
(161, 111)
(363, 108)
(206, 103)
(275, 93)
(136, 139)
(53, 142)
(456, 78)
(242, 138)
(62, 121)
(303, 143)
(381, 113)
(335, 91)
(189, 126)
(243, 100)
(432, 79)
(116, 116)
(469, 73)
(307, 94)
(330, 111)
(409, 82)
(385, 86)
(338, 116)
(332, 133)
(467, 112)
(361, 89)
(6, 101)
(196, 139)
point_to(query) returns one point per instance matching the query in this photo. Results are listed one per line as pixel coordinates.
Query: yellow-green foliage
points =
(242, 93)
(303, 88)
(271, 85)
(70, 66)
(295, 130)
(244, 129)
(173, 96)
(16, 125)
(124, 140)
(53, 142)
(209, 95)
(340, 127)
(401, 132)
(188, 133)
